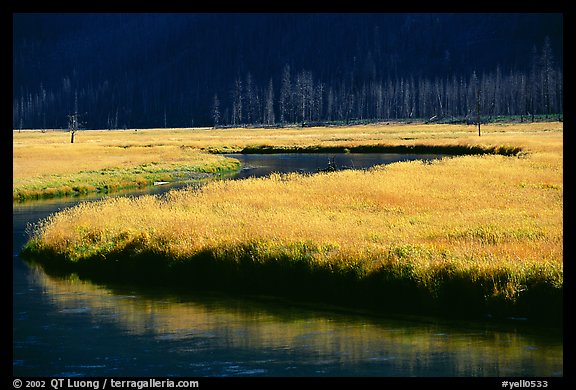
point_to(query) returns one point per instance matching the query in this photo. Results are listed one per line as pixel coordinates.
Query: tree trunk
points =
(478, 92)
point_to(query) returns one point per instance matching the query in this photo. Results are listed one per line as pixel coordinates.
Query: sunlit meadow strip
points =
(116, 178)
(467, 235)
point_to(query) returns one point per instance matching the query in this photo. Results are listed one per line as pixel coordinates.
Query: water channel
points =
(63, 326)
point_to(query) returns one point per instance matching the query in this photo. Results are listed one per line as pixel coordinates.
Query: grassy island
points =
(472, 235)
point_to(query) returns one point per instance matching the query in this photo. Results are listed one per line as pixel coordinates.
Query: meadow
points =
(46, 164)
(478, 235)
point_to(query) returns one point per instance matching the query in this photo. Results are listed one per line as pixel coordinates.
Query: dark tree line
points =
(302, 98)
(182, 70)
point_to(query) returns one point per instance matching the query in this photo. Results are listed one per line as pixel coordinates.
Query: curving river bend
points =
(63, 326)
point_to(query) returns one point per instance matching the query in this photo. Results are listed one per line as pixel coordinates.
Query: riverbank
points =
(451, 150)
(478, 236)
(46, 165)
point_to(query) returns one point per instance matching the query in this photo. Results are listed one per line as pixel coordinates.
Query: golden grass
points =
(46, 163)
(488, 205)
(237, 139)
(491, 221)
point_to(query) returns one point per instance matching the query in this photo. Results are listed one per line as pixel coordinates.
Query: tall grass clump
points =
(469, 235)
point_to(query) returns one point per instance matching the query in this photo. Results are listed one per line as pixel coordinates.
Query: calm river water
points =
(68, 327)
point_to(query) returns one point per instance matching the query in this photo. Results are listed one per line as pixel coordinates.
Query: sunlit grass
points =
(45, 165)
(487, 229)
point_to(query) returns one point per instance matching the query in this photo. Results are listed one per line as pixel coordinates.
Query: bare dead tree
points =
(216, 111)
(73, 125)
(477, 91)
(74, 121)
(269, 118)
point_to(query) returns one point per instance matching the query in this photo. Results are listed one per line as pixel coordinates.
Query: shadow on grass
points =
(389, 289)
(454, 150)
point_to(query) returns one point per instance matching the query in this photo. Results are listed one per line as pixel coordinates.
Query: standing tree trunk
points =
(216, 111)
(478, 110)
(478, 91)
(73, 126)
(73, 120)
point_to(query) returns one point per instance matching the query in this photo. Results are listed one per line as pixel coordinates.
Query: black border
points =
(14, 6)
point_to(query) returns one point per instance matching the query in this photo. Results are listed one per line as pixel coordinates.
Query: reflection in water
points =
(259, 337)
(257, 165)
(69, 327)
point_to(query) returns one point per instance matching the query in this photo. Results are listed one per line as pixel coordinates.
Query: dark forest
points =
(185, 70)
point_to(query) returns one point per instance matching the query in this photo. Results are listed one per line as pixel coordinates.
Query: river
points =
(63, 326)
